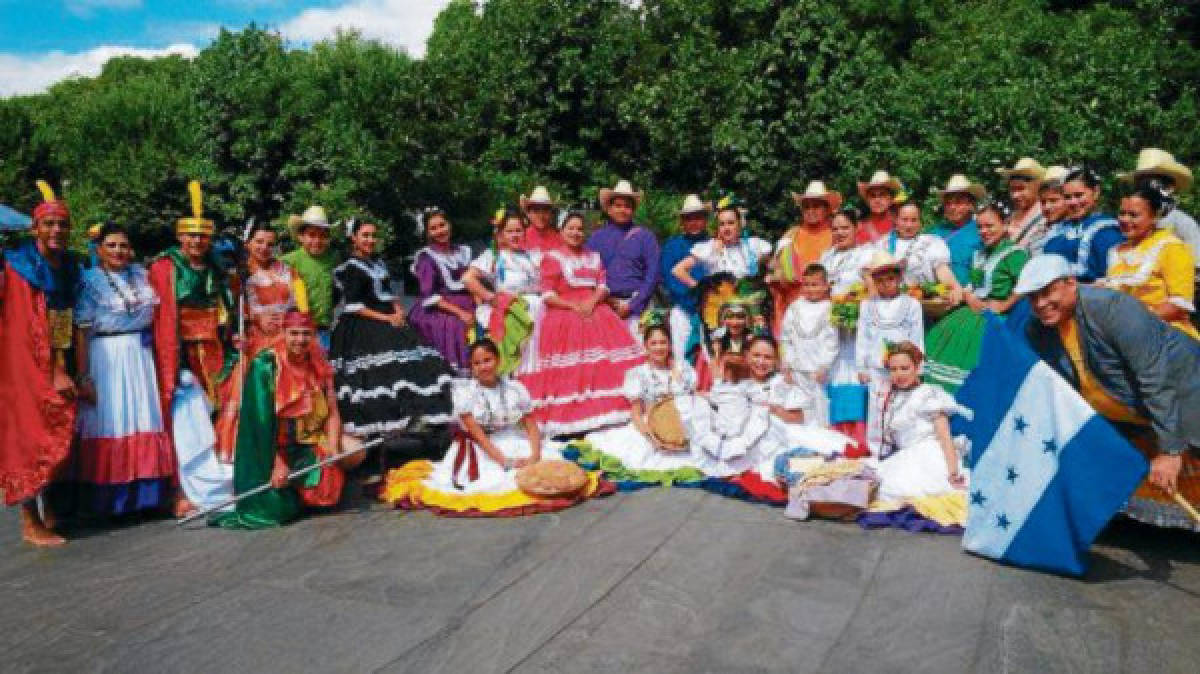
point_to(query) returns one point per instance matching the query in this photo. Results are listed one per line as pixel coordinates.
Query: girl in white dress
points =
(772, 419)
(645, 385)
(493, 413)
(918, 458)
(498, 276)
(497, 437)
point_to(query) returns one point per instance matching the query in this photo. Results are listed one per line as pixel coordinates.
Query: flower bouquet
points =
(844, 310)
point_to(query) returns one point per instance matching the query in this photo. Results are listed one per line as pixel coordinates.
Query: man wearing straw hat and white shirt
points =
(629, 252)
(1155, 165)
(1028, 228)
(959, 230)
(693, 226)
(314, 262)
(880, 195)
(1133, 368)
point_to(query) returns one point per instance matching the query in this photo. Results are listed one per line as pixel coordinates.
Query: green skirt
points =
(952, 348)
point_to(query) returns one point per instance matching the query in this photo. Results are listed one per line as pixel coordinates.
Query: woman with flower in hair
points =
(657, 444)
(1086, 235)
(444, 309)
(584, 348)
(953, 344)
(386, 379)
(505, 281)
(919, 465)
(1153, 264)
(844, 264)
(126, 462)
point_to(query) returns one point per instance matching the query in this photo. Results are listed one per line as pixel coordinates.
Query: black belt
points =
(119, 333)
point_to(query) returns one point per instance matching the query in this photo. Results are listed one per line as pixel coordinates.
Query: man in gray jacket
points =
(1132, 367)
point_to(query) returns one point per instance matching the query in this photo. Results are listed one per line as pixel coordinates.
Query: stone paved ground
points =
(654, 581)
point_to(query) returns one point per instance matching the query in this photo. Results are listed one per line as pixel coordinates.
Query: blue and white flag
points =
(1047, 472)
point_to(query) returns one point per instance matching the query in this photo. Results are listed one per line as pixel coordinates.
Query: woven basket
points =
(551, 479)
(936, 308)
(667, 426)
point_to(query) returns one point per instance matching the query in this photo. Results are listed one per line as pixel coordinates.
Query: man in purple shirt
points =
(629, 253)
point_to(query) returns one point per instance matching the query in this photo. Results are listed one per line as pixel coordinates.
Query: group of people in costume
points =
(568, 359)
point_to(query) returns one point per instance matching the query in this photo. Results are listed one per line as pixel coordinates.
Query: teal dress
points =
(952, 344)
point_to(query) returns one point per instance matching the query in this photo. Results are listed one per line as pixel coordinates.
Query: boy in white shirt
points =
(888, 317)
(809, 340)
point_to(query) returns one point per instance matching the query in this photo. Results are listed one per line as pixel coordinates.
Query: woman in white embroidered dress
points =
(844, 263)
(506, 284)
(126, 462)
(659, 378)
(925, 257)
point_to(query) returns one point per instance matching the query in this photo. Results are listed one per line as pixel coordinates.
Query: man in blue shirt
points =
(959, 230)
(693, 225)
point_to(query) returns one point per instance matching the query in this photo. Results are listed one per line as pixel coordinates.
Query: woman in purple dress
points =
(444, 310)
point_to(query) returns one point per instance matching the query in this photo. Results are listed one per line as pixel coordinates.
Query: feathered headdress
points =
(51, 205)
(196, 223)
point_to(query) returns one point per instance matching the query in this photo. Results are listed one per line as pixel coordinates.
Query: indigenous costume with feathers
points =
(36, 421)
(193, 310)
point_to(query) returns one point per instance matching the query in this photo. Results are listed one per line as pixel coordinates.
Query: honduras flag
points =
(1047, 472)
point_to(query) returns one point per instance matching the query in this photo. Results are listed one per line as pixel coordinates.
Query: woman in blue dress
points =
(1085, 235)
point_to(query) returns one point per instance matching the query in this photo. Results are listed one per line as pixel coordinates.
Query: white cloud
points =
(85, 8)
(33, 74)
(401, 23)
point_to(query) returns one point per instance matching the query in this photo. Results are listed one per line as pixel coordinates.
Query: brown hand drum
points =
(666, 426)
(551, 479)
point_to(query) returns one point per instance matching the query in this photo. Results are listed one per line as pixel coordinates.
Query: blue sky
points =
(43, 41)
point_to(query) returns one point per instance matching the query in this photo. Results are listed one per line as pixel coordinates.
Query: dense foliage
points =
(753, 96)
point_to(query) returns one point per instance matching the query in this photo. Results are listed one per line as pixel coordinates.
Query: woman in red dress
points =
(584, 349)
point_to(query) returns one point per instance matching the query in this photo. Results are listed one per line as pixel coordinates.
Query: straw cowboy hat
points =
(539, 197)
(313, 216)
(622, 189)
(1155, 162)
(692, 204)
(816, 191)
(1026, 167)
(879, 179)
(959, 184)
(1055, 174)
(881, 260)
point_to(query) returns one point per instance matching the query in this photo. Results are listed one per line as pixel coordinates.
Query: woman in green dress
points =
(953, 343)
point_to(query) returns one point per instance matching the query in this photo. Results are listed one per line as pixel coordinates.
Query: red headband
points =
(296, 319)
(51, 208)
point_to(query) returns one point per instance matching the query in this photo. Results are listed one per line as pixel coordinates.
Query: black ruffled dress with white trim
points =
(387, 380)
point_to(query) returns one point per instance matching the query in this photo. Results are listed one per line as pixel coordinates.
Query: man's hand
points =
(1164, 471)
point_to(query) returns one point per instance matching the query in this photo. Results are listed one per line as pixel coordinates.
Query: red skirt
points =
(582, 361)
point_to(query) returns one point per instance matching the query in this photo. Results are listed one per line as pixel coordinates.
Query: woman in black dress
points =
(386, 379)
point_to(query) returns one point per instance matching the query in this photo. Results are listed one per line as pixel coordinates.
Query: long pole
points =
(264, 487)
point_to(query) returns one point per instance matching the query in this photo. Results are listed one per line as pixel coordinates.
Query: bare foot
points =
(183, 507)
(35, 532)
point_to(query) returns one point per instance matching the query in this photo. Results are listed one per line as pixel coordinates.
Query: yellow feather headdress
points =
(197, 223)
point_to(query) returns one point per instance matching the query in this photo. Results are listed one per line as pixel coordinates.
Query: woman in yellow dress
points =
(1153, 265)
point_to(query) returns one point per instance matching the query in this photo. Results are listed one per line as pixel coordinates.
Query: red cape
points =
(166, 333)
(36, 423)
